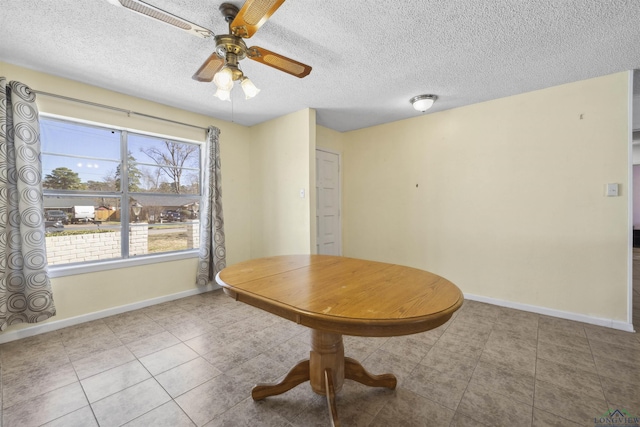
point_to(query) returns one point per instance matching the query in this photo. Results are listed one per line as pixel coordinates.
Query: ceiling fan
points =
(222, 66)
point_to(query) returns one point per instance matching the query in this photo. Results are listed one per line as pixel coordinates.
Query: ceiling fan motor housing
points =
(232, 49)
(228, 43)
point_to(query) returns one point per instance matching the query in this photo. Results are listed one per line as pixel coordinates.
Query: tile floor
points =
(193, 362)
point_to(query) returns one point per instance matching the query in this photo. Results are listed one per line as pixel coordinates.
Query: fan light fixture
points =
(250, 90)
(224, 80)
(230, 73)
(423, 102)
(223, 95)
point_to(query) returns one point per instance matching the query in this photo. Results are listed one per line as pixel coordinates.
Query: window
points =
(115, 194)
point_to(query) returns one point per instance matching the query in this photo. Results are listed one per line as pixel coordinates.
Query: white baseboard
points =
(609, 323)
(53, 325)
(59, 324)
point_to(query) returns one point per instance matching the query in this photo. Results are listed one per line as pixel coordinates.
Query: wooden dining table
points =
(336, 296)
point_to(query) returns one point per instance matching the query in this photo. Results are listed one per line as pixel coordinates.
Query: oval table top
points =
(344, 295)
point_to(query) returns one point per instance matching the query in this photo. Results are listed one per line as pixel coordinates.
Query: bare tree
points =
(151, 178)
(171, 158)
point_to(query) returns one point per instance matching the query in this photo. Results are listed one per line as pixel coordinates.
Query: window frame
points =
(62, 270)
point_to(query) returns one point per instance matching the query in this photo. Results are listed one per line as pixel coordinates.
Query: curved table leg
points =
(297, 375)
(331, 397)
(354, 371)
(326, 369)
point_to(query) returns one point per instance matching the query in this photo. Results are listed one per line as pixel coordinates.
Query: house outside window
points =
(113, 194)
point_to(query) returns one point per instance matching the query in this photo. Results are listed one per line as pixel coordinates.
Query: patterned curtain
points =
(213, 256)
(25, 288)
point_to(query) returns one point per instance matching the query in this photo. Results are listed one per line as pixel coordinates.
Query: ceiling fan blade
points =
(211, 66)
(253, 14)
(278, 61)
(150, 11)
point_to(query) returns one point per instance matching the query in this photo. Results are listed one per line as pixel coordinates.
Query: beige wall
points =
(505, 198)
(330, 139)
(280, 168)
(87, 293)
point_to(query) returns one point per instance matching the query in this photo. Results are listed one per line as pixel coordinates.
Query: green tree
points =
(99, 185)
(63, 179)
(134, 174)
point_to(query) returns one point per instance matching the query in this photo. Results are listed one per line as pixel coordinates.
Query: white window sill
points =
(93, 267)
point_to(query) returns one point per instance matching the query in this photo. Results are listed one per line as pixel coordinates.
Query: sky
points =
(92, 152)
(97, 149)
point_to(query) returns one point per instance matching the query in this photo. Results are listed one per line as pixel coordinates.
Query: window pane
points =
(79, 157)
(159, 238)
(80, 229)
(85, 200)
(74, 173)
(163, 224)
(154, 179)
(163, 166)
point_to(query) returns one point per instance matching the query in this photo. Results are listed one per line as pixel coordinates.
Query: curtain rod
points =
(108, 107)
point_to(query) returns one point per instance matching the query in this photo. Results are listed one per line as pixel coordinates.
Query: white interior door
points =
(328, 229)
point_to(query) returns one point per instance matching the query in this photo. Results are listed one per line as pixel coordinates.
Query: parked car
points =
(56, 215)
(170, 216)
(53, 226)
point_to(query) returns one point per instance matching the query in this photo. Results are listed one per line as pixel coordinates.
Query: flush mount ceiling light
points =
(423, 102)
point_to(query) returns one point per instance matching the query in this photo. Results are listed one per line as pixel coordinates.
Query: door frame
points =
(339, 154)
(630, 197)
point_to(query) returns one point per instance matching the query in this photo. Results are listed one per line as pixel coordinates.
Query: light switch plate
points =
(612, 190)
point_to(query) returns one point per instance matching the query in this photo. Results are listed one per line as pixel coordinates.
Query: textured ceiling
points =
(368, 57)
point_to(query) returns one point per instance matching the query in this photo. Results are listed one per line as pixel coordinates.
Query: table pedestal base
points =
(326, 370)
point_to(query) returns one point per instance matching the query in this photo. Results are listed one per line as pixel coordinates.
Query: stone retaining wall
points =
(193, 235)
(103, 246)
(138, 239)
(83, 247)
